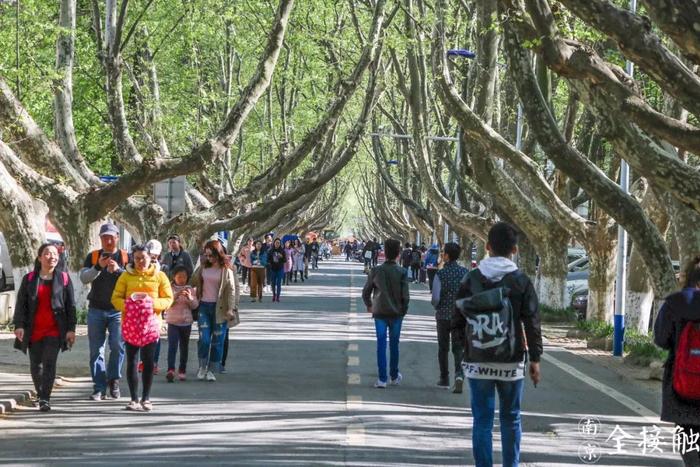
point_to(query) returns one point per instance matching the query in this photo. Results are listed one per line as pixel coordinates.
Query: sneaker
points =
(459, 385)
(114, 391)
(147, 406)
(44, 406)
(182, 376)
(253, 300)
(202, 373)
(210, 376)
(443, 384)
(155, 369)
(396, 381)
(222, 369)
(380, 384)
(97, 396)
(133, 405)
(140, 367)
(170, 376)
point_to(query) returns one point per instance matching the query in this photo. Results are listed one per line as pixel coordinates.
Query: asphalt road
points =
(299, 392)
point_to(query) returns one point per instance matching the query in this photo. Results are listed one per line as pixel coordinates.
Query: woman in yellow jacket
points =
(141, 276)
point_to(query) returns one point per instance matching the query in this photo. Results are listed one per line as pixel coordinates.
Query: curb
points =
(10, 404)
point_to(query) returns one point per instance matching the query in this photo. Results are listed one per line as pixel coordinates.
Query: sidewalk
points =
(16, 386)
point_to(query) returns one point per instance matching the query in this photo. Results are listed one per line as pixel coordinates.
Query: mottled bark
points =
(680, 20)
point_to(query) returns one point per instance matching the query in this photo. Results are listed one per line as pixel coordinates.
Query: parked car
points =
(579, 302)
(7, 281)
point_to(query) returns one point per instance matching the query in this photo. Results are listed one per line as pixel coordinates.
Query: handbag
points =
(140, 326)
(233, 318)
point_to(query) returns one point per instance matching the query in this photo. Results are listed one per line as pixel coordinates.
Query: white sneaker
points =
(201, 373)
(210, 376)
(380, 384)
(397, 381)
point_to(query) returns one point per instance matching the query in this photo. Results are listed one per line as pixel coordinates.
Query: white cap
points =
(154, 247)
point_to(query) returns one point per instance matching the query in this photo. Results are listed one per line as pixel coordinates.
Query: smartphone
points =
(106, 255)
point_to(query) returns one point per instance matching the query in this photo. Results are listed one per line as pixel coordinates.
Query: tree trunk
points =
(551, 275)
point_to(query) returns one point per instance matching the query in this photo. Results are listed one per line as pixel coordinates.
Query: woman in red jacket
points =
(45, 320)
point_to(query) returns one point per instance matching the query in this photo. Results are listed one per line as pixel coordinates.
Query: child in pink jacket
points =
(179, 318)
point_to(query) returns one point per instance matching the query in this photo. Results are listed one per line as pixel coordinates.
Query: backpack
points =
(406, 257)
(140, 326)
(415, 258)
(64, 275)
(123, 255)
(491, 326)
(686, 365)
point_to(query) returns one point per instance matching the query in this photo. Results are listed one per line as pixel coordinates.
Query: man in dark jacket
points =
(485, 377)
(386, 297)
(176, 256)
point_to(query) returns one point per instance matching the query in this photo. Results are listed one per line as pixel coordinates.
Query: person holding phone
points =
(101, 270)
(44, 320)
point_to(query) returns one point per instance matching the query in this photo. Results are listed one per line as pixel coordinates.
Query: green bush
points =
(557, 315)
(641, 349)
(81, 315)
(596, 328)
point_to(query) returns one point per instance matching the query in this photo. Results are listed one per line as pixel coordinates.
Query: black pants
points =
(446, 335)
(178, 336)
(132, 374)
(42, 360)
(244, 274)
(414, 272)
(690, 458)
(302, 275)
(431, 277)
(225, 352)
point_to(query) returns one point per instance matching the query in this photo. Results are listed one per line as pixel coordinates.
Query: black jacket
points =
(526, 311)
(678, 309)
(62, 303)
(386, 291)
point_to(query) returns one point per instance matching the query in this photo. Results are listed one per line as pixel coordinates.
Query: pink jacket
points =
(180, 313)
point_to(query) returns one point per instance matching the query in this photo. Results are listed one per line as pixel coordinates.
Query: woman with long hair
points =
(289, 261)
(276, 259)
(299, 251)
(258, 261)
(217, 291)
(44, 319)
(677, 329)
(141, 282)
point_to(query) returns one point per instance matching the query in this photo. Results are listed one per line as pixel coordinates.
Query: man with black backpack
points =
(497, 309)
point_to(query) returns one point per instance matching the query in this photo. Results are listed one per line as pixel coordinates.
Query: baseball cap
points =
(109, 229)
(154, 247)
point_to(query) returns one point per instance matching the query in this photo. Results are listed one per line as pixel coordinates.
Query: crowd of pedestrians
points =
(487, 317)
(134, 294)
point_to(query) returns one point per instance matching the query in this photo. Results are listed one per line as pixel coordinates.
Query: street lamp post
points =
(621, 279)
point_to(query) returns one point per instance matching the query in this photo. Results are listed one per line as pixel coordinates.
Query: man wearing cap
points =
(101, 270)
(176, 256)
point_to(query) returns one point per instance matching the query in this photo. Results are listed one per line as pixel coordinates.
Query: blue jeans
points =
(277, 277)
(210, 337)
(98, 323)
(394, 328)
(483, 398)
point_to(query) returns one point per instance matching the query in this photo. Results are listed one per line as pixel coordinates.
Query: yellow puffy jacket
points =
(152, 281)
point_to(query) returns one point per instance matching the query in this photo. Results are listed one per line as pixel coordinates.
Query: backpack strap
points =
(95, 257)
(64, 276)
(476, 281)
